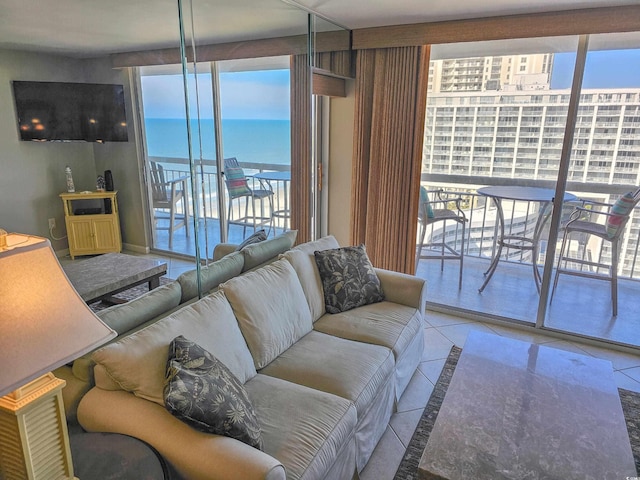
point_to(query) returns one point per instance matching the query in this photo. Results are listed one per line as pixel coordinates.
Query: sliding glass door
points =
(255, 129)
(167, 166)
(256, 132)
(557, 114)
(604, 165)
(495, 124)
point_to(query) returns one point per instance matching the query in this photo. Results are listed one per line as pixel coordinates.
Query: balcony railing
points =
(207, 186)
(520, 219)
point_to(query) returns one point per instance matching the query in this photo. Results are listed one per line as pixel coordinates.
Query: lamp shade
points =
(43, 321)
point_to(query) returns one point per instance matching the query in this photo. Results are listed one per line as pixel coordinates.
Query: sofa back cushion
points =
(303, 261)
(271, 309)
(127, 316)
(211, 276)
(257, 254)
(137, 363)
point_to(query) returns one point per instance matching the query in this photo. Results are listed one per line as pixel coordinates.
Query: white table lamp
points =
(44, 324)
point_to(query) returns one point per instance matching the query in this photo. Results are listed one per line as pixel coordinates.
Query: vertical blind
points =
(391, 90)
(301, 147)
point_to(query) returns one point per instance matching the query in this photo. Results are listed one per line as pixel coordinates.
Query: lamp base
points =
(34, 442)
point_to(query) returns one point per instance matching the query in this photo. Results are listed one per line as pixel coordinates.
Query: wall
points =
(122, 159)
(32, 173)
(340, 164)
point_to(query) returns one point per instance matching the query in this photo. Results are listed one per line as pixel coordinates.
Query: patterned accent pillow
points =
(258, 236)
(202, 392)
(348, 278)
(620, 210)
(424, 200)
(236, 182)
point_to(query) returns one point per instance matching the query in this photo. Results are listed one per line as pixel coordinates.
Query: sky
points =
(245, 95)
(604, 69)
(265, 94)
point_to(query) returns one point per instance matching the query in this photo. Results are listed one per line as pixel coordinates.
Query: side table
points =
(98, 456)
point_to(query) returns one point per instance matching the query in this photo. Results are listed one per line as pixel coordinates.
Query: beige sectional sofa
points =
(323, 386)
(147, 309)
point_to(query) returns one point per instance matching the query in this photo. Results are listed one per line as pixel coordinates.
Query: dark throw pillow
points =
(258, 236)
(348, 278)
(202, 392)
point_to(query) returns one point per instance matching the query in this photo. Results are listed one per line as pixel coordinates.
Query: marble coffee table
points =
(516, 410)
(100, 277)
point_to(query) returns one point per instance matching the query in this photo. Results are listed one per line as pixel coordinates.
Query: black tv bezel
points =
(76, 103)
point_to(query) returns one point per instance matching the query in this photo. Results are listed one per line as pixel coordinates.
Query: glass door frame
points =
(561, 181)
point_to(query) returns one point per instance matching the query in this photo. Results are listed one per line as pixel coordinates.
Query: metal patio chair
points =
(169, 195)
(608, 225)
(238, 189)
(428, 215)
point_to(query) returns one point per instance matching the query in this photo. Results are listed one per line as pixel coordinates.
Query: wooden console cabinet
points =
(91, 233)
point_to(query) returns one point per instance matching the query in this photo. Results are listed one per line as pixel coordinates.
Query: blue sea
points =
(260, 141)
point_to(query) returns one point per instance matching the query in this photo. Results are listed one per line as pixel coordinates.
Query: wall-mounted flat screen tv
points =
(66, 112)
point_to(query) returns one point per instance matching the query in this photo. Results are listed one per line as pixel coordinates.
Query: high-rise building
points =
(499, 117)
(478, 74)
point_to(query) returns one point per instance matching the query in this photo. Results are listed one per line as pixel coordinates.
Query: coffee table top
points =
(517, 410)
(105, 274)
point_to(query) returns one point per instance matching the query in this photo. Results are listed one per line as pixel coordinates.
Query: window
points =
(255, 127)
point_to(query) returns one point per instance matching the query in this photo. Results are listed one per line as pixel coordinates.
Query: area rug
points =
(127, 295)
(408, 469)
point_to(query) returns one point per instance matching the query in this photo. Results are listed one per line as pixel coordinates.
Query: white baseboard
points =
(136, 248)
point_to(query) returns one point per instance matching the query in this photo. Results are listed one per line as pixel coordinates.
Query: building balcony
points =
(581, 306)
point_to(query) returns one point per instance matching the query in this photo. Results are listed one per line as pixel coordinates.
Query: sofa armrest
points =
(223, 249)
(72, 391)
(404, 289)
(195, 455)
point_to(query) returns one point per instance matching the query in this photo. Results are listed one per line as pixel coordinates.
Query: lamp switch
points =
(52, 223)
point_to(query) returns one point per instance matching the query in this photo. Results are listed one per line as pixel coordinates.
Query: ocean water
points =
(260, 141)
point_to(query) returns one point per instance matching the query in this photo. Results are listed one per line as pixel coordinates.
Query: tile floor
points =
(441, 333)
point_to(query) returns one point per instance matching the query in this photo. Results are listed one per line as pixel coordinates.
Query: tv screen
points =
(55, 111)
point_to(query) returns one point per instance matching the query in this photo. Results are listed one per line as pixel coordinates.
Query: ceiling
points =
(86, 28)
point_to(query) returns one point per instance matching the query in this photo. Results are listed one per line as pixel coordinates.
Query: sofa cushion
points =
(303, 261)
(352, 370)
(388, 324)
(211, 276)
(262, 252)
(305, 429)
(202, 392)
(348, 278)
(271, 310)
(127, 316)
(137, 362)
(324, 243)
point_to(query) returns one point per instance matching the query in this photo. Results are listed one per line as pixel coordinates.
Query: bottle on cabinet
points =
(70, 186)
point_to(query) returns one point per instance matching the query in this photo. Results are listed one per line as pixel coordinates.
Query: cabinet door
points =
(80, 232)
(107, 237)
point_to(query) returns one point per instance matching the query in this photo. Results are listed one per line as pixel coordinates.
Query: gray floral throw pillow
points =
(202, 392)
(348, 278)
(257, 237)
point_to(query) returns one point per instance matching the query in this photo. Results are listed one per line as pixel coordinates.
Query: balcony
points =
(580, 306)
(209, 233)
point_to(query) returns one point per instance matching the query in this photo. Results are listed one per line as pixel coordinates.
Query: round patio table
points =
(543, 196)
